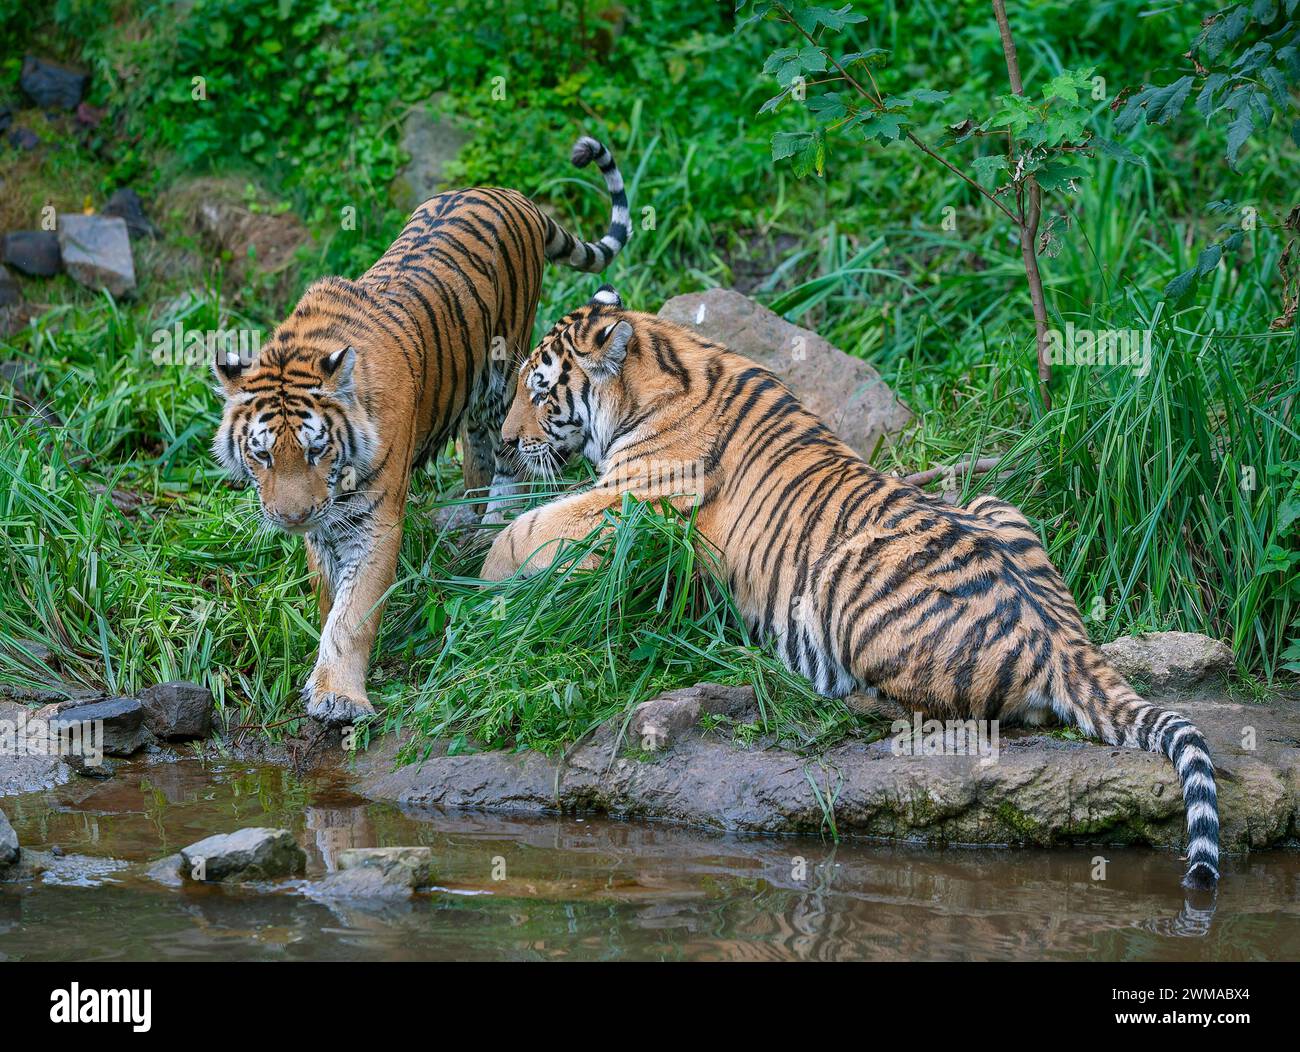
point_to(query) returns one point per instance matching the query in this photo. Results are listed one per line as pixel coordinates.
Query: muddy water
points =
(570, 889)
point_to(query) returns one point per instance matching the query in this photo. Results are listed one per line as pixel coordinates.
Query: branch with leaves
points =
(1245, 65)
(1042, 139)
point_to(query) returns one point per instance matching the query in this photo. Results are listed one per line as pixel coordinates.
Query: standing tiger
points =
(860, 579)
(366, 379)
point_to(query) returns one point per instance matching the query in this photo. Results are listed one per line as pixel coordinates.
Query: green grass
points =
(1135, 481)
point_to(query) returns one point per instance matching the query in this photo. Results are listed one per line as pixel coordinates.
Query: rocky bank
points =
(1041, 788)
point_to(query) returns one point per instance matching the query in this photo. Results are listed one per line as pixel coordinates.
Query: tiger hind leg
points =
(486, 475)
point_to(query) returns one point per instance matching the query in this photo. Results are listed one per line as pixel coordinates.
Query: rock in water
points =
(846, 392)
(8, 843)
(52, 85)
(377, 872)
(97, 252)
(167, 871)
(249, 854)
(127, 206)
(121, 720)
(1169, 660)
(415, 864)
(178, 711)
(34, 252)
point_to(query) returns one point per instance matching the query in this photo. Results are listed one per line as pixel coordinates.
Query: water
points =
(579, 889)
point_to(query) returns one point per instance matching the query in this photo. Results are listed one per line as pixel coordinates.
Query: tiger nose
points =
(294, 519)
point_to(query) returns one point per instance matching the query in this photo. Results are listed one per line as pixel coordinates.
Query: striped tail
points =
(1167, 732)
(592, 256)
(1127, 719)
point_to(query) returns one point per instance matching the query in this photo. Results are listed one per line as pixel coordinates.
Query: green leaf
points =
(1115, 151)
(1208, 260)
(1180, 286)
(985, 167)
(806, 150)
(1205, 100)
(873, 56)
(828, 108)
(1295, 133)
(1158, 105)
(1067, 85)
(1238, 132)
(1058, 175)
(809, 18)
(883, 127)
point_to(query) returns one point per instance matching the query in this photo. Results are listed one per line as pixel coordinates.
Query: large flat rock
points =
(845, 392)
(1039, 790)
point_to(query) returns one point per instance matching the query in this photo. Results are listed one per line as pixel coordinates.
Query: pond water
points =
(593, 889)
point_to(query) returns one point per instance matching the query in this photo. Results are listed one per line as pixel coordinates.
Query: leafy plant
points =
(1245, 67)
(1041, 139)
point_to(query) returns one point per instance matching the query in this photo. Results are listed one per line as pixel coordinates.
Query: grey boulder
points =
(1169, 660)
(8, 843)
(177, 710)
(97, 252)
(845, 392)
(52, 85)
(121, 721)
(377, 872)
(34, 252)
(255, 853)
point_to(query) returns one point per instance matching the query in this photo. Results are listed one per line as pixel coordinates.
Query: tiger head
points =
(291, 424)
(570, 389)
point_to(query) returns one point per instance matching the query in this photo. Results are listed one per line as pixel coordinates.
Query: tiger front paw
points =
(498, 565)
(337, 709)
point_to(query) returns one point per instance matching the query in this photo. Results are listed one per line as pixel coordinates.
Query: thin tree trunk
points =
(1031, 212)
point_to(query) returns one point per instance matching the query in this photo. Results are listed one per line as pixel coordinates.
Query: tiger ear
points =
(606, 296)
(337, 367)
(606, 361)
(229, 368)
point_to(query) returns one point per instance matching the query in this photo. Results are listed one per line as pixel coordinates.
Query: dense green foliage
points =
(1170, 494)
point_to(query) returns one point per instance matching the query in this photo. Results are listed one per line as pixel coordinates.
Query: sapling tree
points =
(853, 96)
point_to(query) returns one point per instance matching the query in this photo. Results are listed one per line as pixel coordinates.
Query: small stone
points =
(9, 851)
(412, 864)
(120, 719)
(9, 291)
(24, 139)
(52, 85)
(178, 711)
(376, 872)
(167, 871)
(34, 252)
(249, 854)
(83, 766)
(89, 116)
(97, 252)
(127, 206)
(1169, 660)
(660, 722)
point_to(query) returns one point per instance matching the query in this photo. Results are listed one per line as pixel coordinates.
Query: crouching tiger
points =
(860, 579)
(368, 378)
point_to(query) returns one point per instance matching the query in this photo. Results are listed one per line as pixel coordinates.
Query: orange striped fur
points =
(366, 379)
(860, 579)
